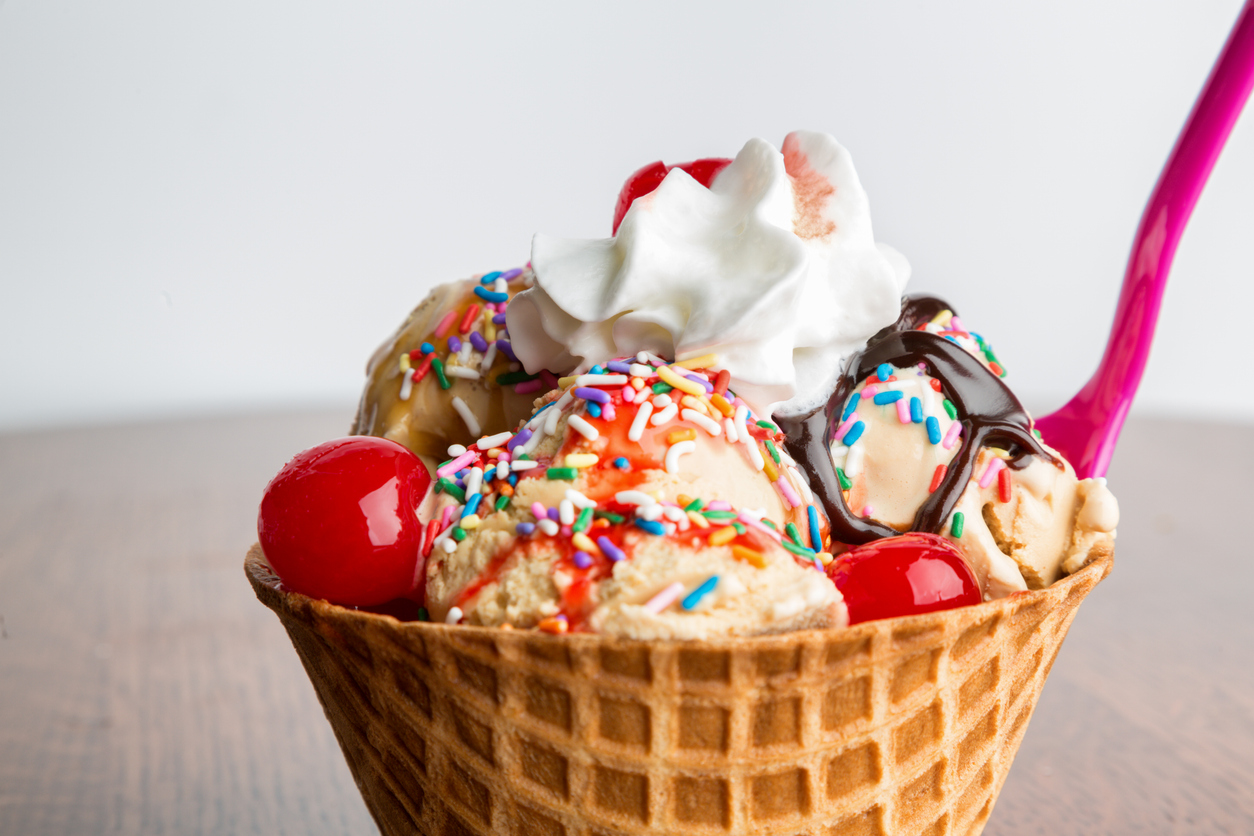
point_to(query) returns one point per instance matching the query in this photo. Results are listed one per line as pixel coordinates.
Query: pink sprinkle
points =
(550, 382)
(790, 495)
(990, 472)
(867, 510)
(956, 324)
(457, 463)
(748, 519)
(528, 386)
(565, 531)
(844, 427)
(539, 511)
(445, 324)
(503, 457)
(903, 411)
(719, 505)
(629, 394)
(608, 412)
(665, 598)
(447, 516)
(951, 435)
(870, 391)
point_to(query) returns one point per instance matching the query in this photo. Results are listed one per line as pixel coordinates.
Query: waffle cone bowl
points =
(905, 725)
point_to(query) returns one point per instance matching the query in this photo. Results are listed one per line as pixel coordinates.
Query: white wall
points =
(227, 205)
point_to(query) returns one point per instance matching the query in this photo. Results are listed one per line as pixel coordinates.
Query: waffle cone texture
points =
(905, 725)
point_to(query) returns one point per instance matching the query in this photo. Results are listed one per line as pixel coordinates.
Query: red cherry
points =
(339, 522)
(650, 177)
(906, 575)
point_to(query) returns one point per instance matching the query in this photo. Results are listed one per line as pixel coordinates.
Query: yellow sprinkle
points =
(750, 556)
(769, 467)
(489, 330)
(565, 382)
(405, 362)
(683, 384)
(637, 383)
(724, 535)
(943, 317)
(470, 521)
(700, 521)
(699, 404)
(681, 435)
(683, 500)
(553, 624)
(702, 362)
(584, 543)
(825, 558)
(721, 404)
(581, 459)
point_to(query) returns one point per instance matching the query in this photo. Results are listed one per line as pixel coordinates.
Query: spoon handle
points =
(1086, 428)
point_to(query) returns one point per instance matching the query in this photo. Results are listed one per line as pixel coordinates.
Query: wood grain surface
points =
(143, 690)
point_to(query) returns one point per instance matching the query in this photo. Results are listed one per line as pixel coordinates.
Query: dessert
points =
(643, 604)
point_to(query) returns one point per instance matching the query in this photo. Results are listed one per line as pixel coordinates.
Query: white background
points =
(214, 207)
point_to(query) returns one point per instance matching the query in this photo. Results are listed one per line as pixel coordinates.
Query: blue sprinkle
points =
(488, 278)
(916, 411)
(477, 340)
(583, 560)
(472, 504)
(933, 430)
(951, 338)
(815, 539)
(454, 344)
(622, 464)
(513, 479)
(594, 409)
(610, 550)
(855, 432)
(618, 366)
(891, 396)
(491, 295)
(650, 526)
(426, 348)
(505, 348)
(596, 370)
(590, 394)
(884, 371)
(851, 406)
(693, 598)
(525, 528)
(499, 319)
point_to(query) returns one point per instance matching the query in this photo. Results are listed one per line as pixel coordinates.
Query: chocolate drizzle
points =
(989, 412)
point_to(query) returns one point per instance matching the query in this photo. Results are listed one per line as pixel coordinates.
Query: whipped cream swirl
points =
(774, 268)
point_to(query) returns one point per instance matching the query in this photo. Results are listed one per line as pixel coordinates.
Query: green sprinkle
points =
(438, 365)
(793, 533)
(770, 446)
(661, 387)
(501, 502)
(439, 486)
(719, 515)
(510, 378)
(955, 528)
(988, 353)
(522, 457)
(798, 550)
(772, 525)
(845, 482)
(616, 519)
(949, 409)
(1036, 432)
(695, 505)
(767, 425)
(450, 487)
(423, 615)
(567, 474)
(459, 533)
(740, 527)
(584, 520)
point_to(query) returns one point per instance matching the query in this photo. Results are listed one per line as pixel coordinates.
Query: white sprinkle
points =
(500, 286)
(550, 421)
(448, 545)
(488, 442)
(730, 426)
(407, 385)
(639, 370)
(579, 425)
(463, 355)
(578, 499)
(525, 464)
(642, 356)
(676, 450)
(634, 498)
(669, 528)
(662, 401)
(651, 358)
(665, 415)
(601, 380)
(472, 423)
(564, 401)
(547, 526)
(454, 615)
(853, 463)
(799, 481)
(742, 431)
(649, 512)
(502, 470)
(640, 421)
(455, 450)
(566, 512)
(463, 372)
(755, 455)
(705, 422)
(673, 513)
(533, 442)
(488, 358)
(474, 481)
(665, 598)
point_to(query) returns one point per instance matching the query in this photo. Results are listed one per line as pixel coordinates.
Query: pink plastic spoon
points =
(1086, 428)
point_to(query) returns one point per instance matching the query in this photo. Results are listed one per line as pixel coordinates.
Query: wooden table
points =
(143, 690)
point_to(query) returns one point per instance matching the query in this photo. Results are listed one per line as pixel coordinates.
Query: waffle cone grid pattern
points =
(906, 725)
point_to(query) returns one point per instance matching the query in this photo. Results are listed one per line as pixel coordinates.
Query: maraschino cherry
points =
(338, 521)
(650, 177)
(906, 575)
